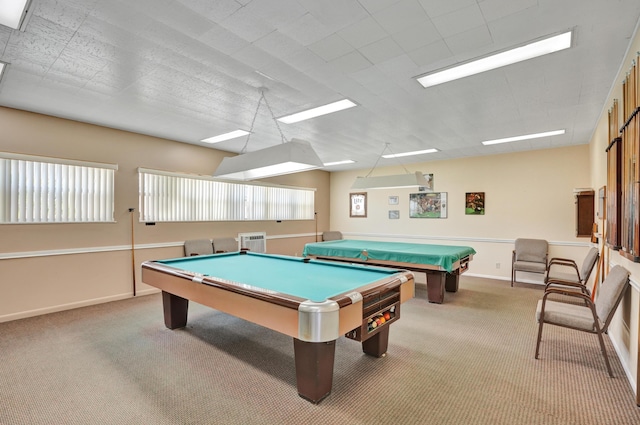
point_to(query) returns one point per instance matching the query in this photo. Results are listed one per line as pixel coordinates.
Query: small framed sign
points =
(358, 204)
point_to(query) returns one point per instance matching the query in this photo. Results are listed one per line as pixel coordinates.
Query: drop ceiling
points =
(188, 70)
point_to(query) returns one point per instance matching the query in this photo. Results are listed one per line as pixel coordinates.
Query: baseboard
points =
(70, 306)
(507, 278)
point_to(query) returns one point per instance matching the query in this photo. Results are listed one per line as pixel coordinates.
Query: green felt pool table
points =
(442, 264)
(313, 301)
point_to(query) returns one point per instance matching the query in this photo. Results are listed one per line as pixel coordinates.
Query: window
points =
(167, 196)
(48, 190)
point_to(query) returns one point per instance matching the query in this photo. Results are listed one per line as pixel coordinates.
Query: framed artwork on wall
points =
(428, 205)
(393, 200)
(474, 203)
(358, 204)
(394, 214)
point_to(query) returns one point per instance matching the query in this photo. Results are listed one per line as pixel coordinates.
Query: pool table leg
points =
(435, 286)
(377, 344)
(438, 282)
(314, 368)
(175, 310)
(451, 284)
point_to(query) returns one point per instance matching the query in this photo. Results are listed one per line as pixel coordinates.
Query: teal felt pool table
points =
(442, 264)
(313, 301)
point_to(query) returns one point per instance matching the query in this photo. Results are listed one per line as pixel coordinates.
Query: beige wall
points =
(625, 328)
(528, 194)
(50, 267)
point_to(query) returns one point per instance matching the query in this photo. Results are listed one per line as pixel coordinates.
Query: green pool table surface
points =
(283, 274)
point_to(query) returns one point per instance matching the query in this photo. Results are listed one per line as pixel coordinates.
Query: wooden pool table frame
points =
(438, 279)
(313, 359)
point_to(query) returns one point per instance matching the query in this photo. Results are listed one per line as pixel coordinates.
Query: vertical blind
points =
(48, 190)
(167, 196)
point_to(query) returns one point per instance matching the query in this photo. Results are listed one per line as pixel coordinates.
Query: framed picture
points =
(428, 205)
(358, 204)
(394, 214)
(474, 203)
(393, 200)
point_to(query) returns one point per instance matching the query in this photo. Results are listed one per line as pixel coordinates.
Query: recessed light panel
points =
(346, 161)
(498, 60)
(226, 136)
(398, 155)
(11, 12)
(316, 112)
(524, 137)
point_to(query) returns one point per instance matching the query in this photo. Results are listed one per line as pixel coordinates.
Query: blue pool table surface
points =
(315, 280)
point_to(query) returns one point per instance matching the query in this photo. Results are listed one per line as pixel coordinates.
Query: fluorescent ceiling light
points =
(394, 181)
(519, 54)
(225, 136)
(316, 112)
(12, 12)
(286, 158)
(398, 155)
(346, 161)
(525, 137)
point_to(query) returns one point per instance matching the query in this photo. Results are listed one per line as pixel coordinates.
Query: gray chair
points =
(225, 245)
(565, 272)
(585, 316)
(529, 255)
(331, 236)
(197, 247)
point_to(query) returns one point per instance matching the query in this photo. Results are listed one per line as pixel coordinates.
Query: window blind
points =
(37, 189)
(168, 196)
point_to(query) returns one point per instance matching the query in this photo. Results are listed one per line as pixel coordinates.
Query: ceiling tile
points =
(331, 47)
(459, 21)
(435, 8)
(186, 69)
(466, 45)
(433, 56)
(496, 9)
(401, 15)
(351, 62)
(363, 33)
(381, 50)
(306, 30)
(417, 36)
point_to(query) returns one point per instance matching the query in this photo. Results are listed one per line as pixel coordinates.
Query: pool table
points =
(313, 301)
(443, 264)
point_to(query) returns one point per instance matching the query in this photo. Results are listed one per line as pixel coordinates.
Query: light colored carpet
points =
(467, 361)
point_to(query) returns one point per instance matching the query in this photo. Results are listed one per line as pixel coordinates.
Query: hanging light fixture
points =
(391, 181)
(286, 158)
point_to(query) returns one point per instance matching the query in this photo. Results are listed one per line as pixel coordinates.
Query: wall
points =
(527, 194)
(625, 329)
(51, 267)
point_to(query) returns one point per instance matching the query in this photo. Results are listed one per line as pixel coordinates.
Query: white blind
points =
(166, 196)
(46, 190)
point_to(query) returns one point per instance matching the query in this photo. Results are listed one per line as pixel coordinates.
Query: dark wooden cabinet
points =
(584, 212)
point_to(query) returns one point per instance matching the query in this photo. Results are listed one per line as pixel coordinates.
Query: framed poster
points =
(393, 200)
(394, 214)
(428, 205)
(474, 203)
(358, 204)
